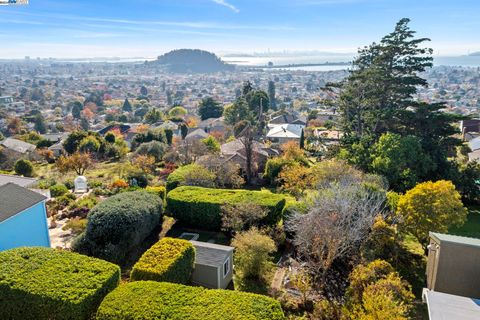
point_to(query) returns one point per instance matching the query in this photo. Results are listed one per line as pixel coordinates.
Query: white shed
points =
(81, 185)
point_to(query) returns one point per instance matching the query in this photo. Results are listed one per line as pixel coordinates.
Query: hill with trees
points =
(192, 61)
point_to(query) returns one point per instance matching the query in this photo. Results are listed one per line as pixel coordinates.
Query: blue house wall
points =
(27, 228)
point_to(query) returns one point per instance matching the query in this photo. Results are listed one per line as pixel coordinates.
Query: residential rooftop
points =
(210, 254)
(15, 199)
(443, 306)
(455, 239)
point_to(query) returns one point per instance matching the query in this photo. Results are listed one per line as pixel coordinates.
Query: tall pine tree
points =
(127, 107)
(378, 97)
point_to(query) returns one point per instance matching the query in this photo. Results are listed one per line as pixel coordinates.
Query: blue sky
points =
(147, 28)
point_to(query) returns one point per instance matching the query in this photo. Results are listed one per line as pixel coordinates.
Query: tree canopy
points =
(431, 207)
(378, 98)
(210, 108)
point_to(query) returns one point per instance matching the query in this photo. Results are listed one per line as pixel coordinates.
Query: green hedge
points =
(200, 207)
(175, 178)
(169, 260)
(161, 191)
(293, 207)
(42, 283)
(145, 300)
(119, 224)
(58, 190)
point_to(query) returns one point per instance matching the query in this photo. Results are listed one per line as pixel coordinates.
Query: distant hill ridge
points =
(192, 61)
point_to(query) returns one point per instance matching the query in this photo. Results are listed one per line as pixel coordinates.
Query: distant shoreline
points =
(296, 65)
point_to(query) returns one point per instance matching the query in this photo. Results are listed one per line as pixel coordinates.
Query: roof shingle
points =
(14, 199)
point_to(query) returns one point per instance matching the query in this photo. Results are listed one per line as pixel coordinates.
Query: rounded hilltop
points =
(192, 61)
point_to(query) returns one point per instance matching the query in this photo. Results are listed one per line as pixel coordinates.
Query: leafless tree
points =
(190, 151)
(246, 138)
(337, 222)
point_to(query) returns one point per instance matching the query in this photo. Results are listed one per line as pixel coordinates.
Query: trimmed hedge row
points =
(42, 283)
(200, 207)
(145, 300)
(119, 224)
(169, 260)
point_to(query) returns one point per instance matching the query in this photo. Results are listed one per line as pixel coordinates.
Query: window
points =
(226, 267)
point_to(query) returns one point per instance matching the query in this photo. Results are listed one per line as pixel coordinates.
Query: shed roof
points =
(18, 180)
(18, 145)
(474, 144)
(197, 134)
(211, 254)
(443, 306)
(455, 239)
(14, 199)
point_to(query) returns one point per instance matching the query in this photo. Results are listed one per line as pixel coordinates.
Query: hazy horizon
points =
(147, 28)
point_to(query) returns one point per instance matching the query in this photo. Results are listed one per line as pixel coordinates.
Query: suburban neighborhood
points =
(198, 186)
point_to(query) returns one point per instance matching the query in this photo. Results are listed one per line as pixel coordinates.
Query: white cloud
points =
(228, 5)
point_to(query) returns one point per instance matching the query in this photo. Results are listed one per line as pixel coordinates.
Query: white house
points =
(285, 132)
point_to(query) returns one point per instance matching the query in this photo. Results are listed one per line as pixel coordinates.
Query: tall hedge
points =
(145, 300)
(200, 207)
(42, 283)
(119, 224)
(169, 260)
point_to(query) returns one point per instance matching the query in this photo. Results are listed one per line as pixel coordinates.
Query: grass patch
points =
(471, 227)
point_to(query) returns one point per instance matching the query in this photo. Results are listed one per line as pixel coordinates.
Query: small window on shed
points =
(226, 267)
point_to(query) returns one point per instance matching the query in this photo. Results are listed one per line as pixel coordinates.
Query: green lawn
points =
(102, 171)
(471, 228)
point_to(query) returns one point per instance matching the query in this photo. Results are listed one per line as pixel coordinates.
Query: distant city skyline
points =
(147, 28)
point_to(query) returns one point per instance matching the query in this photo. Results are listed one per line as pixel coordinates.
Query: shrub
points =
(293, 207)
(42, 283)
(153, 148)
(169, 260)
(86, 202)
(241, 216)
(158, 190)
(201, 207)
(65, 200)
(119, 184)
(192, 175)
(381, 242)
(252, 255)
(364, 275)
(46, 184)
(118, 224)
(431, 207)
(58, 190)
(137, 178)
(75, 225)
(387, 298)
(24, 168)
(145, 300)
(273, 167)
